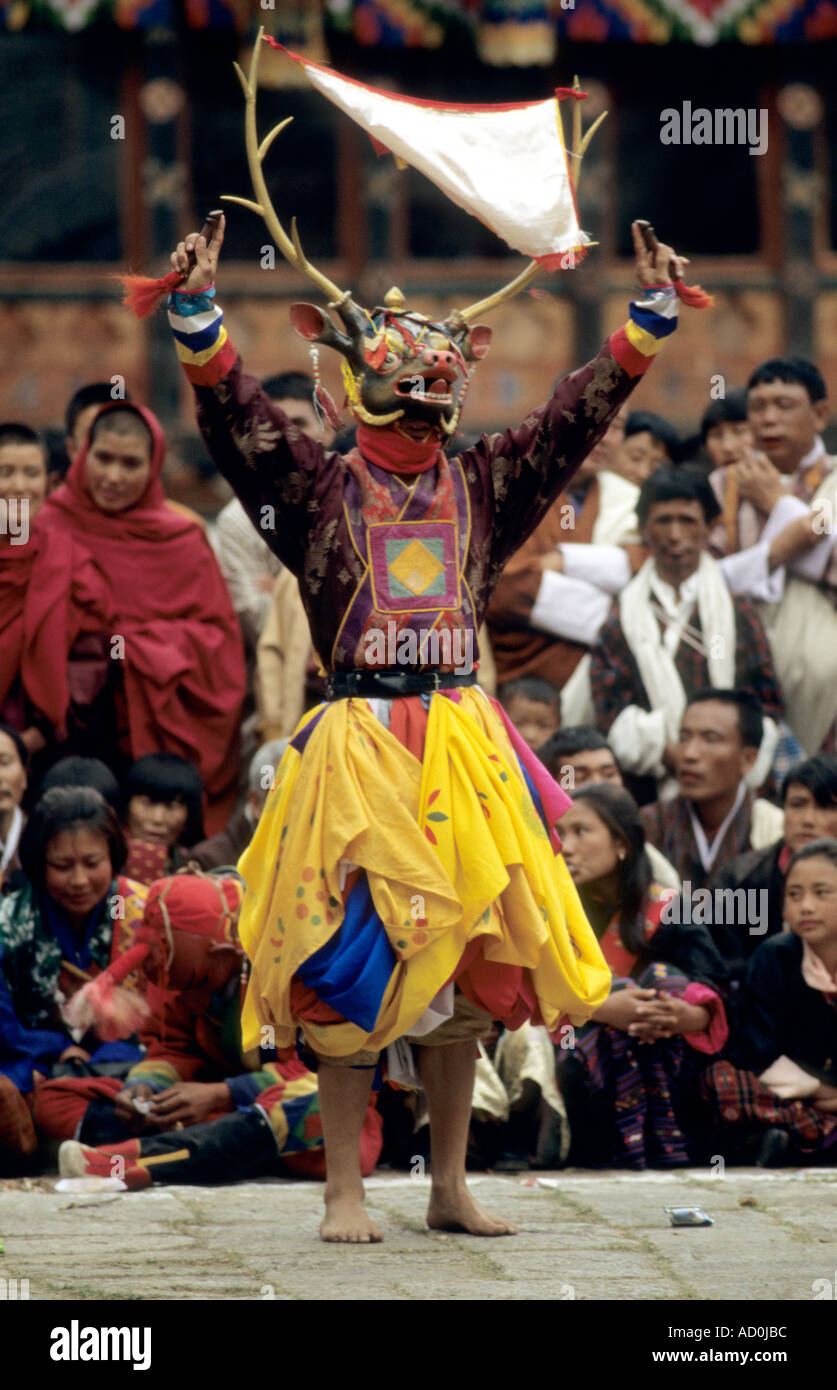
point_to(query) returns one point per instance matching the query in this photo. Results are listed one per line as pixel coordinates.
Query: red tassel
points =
(693, 295)
(112, 1010)
(142, 293)
(324, 406)
(105, 1005)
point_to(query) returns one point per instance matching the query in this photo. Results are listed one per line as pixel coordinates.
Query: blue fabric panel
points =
(352, 970)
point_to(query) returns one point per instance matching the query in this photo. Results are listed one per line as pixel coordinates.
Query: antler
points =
(527, 275)
(290, 247)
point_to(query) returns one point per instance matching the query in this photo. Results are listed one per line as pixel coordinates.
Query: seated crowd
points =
(663, 641)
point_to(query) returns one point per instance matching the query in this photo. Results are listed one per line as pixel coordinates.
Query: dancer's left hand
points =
(656, 263)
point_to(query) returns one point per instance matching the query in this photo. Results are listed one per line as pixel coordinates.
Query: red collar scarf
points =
(390, 449)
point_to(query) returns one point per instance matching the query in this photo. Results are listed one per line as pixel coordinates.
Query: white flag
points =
(506, 165)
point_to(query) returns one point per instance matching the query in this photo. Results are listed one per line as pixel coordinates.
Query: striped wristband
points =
(651, 319)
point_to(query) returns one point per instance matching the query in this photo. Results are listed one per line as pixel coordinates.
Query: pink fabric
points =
(714, 1037)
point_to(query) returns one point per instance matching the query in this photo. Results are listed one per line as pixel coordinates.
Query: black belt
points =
(342, 685)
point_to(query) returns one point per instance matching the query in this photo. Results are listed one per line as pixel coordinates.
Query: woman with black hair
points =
(164, 814)
(776, 1098)
(77, 770)
(628, 1079)
(75, 914)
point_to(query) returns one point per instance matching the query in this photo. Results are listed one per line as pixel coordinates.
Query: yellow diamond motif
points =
(416, 568)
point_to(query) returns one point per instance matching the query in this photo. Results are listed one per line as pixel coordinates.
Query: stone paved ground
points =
(590, 1236)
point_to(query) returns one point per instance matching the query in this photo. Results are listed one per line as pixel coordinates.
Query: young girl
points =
(777, 1097)
(629, 1080)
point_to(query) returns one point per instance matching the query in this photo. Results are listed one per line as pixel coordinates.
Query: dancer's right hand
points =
(202, 273)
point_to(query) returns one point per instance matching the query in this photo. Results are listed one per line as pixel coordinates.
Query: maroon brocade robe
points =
(368, 550)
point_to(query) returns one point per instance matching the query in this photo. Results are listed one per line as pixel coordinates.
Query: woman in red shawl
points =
(181, 663)
(54, 604)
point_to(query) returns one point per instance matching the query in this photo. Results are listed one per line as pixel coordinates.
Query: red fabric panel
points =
(306, 1005)
(408, 723)
(504, 991)
(60, 1105)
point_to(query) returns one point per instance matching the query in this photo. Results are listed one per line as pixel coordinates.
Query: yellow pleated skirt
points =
(454, 852)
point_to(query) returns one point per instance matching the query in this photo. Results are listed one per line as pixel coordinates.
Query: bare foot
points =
(346, 1221)
(454, 1209)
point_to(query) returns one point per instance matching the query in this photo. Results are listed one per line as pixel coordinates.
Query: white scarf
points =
(616, 522)
(709, 853)
(654, 654)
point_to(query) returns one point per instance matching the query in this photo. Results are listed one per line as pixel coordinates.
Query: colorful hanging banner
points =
(504, 33)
